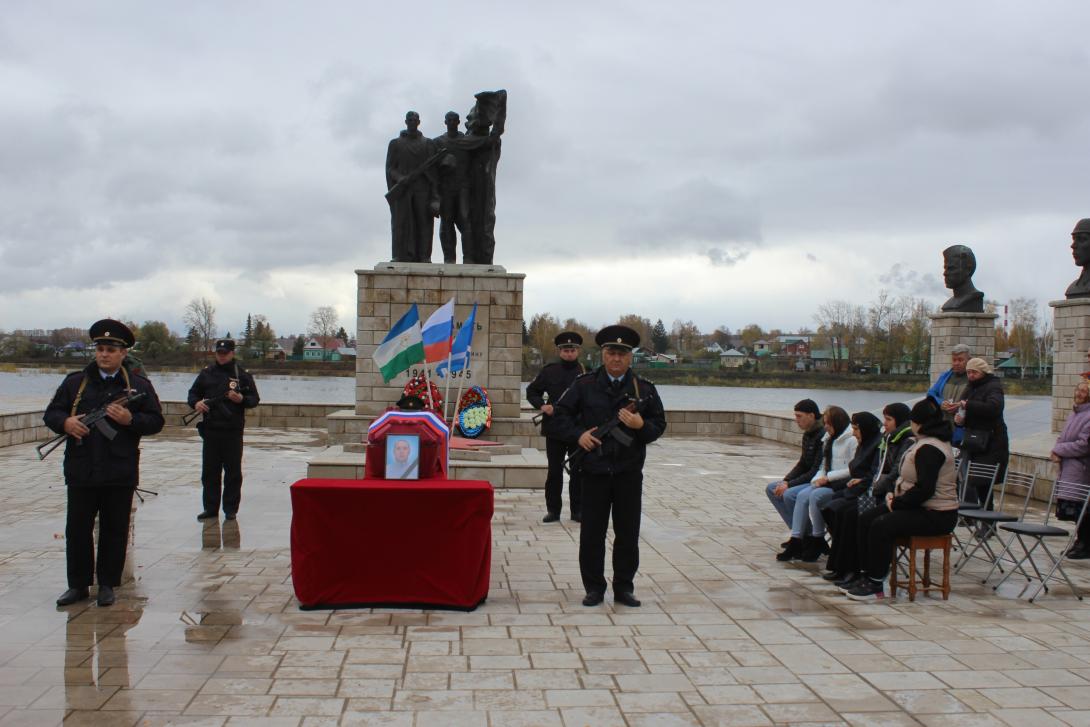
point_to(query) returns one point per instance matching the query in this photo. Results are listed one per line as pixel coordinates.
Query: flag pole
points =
(446, 389)
(461, 382)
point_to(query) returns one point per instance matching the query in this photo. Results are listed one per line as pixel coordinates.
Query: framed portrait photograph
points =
(403, 457)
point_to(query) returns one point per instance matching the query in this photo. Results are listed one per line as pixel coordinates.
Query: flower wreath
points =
(418, 387)
(474, 412)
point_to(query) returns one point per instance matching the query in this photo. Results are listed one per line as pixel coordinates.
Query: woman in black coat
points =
(983, 423)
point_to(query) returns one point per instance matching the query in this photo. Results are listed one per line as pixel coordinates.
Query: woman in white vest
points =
(924, 501)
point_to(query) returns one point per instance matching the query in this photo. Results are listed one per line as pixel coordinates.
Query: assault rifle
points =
(188, 417)
(609, 429)
(399, 187)
(96, 419)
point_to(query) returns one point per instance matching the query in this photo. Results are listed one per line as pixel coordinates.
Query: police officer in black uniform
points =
(101, 474)
(223, 392)
(612, 472)
(553, 381)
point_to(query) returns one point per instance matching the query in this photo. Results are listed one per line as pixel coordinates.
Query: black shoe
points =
(868, 590)
(849, 584)
(106, 596)
(72, 595)
(206, 515)
(834, 576)
(626, 598)
(229, 516)
(791, 551)
(785, 543)
(550, 517)
(1078, 552)
(577, 517)
(593, 598)
(815, 547)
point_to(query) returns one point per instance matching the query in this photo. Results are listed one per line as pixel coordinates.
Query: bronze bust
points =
(1080, 250)
(959, 264)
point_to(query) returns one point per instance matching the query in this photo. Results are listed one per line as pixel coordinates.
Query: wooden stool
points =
(926, 543)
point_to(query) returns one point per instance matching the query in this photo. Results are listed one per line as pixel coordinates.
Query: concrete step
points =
(525, 469)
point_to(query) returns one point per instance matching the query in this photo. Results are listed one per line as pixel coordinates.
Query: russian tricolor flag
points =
(437, 332)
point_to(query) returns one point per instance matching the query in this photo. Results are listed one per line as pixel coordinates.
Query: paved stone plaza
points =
(209, 631)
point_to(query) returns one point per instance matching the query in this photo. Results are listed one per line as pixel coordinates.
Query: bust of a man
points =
(959, 264)
(1080, 250)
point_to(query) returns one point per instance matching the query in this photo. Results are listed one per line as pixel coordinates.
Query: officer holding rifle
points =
(612, 415)
(101, 462)
(222, 392)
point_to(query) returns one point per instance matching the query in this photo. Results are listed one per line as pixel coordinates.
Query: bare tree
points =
(686, 333)
(1023, 333)
(842, 324)
(200, 319)
(324, 323)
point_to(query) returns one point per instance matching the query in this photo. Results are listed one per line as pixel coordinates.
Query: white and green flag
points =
(402, 347)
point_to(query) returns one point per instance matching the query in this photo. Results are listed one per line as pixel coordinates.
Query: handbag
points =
(976, 441)
(1068, 510)
(867, 501)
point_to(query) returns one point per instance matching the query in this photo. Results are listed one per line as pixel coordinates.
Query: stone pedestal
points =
(1071, 325)
(388, 291)
(975, 330)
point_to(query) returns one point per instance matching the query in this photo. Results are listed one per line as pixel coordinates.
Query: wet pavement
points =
(208, 631)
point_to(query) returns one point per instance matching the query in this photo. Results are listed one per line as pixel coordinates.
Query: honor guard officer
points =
(553, 381)
(222, 392)
(100, 470)
(613, 415)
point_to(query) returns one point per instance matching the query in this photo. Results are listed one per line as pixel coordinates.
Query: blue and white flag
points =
(459, 351)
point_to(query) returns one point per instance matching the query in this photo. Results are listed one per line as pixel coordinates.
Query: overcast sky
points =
(721, 162)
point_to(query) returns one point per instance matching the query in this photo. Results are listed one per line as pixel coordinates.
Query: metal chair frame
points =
(1043, 531)
(967, 473)
(984, 523)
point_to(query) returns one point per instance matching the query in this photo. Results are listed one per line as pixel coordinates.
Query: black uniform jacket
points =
(590, 402)
(215, 381)
(96, 460)
(553, 380)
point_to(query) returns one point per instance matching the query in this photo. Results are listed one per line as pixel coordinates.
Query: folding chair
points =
(969, 499)
(1039, 532)
(984, 523)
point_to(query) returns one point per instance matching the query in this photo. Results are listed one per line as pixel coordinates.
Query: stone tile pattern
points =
(385, 295)
(207, 630)
(22, 427)
(1071, 323)
(975, 330)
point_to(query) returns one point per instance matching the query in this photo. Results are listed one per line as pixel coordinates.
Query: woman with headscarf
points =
(843, 515)
(923, 502)
(1072, 454)
(980, 413)
(867, 431)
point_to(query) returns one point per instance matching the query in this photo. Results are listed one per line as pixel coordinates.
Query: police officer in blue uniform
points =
(101, 473)
(612, 470)
(543, 393)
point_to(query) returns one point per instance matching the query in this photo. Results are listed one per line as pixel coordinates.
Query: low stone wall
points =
(344, 425)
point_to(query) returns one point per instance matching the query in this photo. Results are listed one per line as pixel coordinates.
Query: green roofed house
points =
(824, 361)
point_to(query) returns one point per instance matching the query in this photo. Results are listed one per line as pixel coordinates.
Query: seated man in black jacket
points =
(782, 494)
(222, 392)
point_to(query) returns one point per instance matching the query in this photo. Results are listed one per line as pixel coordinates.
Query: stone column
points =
(388, 291)
(975, 330)
(1071, 326)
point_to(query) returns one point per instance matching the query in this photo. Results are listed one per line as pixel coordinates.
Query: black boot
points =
(792, 551)
(814, 548)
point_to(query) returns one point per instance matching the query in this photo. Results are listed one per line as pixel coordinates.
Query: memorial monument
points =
(1071, 323)
(962, 318)
(959, 264)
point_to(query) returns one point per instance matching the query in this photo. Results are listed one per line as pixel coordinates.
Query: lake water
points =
(30, 390)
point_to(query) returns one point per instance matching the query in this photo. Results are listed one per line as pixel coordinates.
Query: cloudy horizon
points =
(723, 163)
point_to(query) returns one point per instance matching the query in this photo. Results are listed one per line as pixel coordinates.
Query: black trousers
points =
(113, 506)
(222, 455)
(621, 493)
(879, 528)
(556, 450)
(842, 519)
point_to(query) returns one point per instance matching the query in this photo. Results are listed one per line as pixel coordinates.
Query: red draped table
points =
(424, 543)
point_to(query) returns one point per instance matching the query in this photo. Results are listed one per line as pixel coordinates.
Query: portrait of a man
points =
(403, 457)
